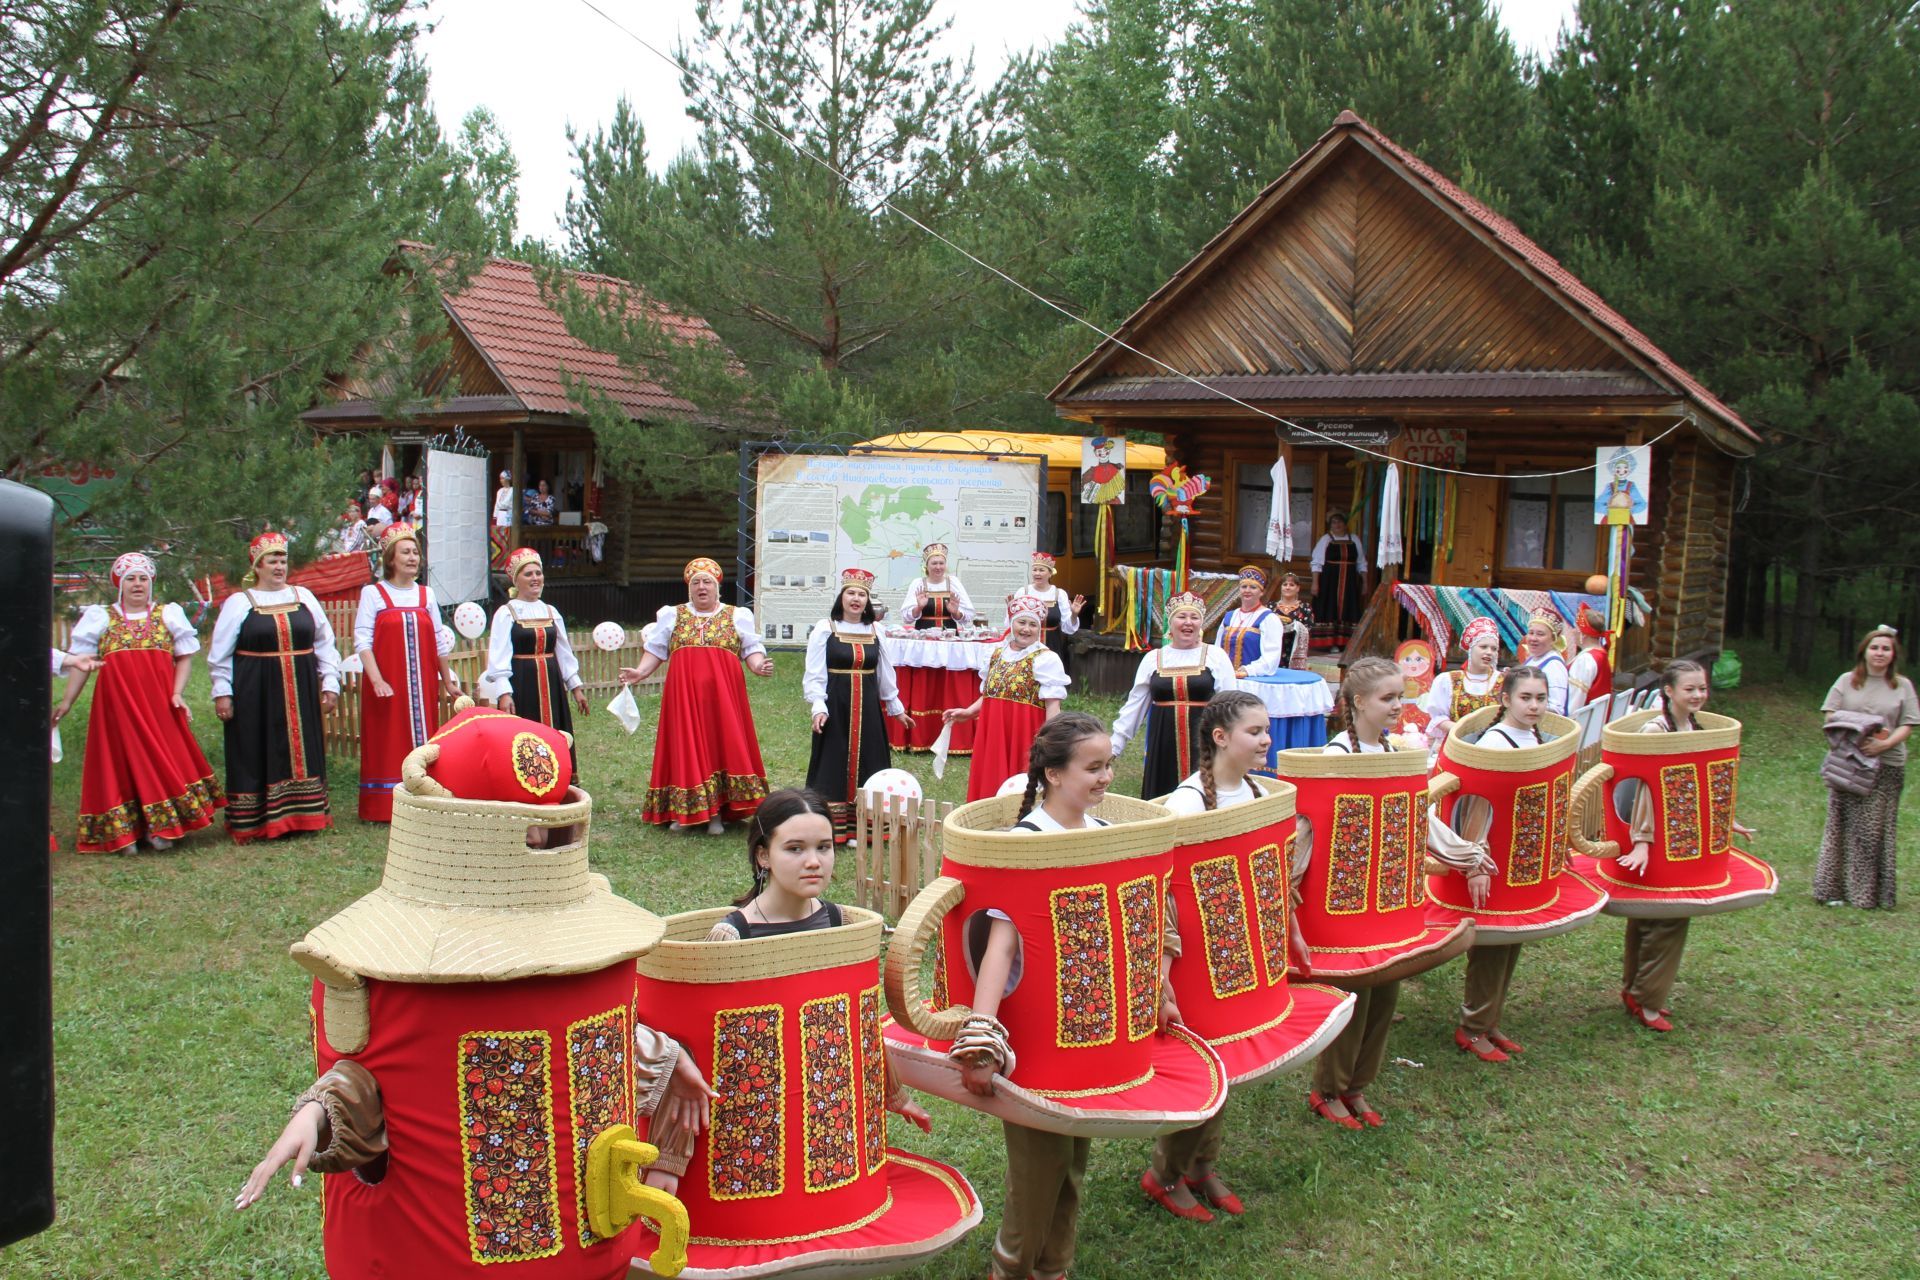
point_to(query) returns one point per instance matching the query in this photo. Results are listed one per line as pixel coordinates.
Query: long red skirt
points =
(404, 646)
(706, 754)
(926, 692)
(145, 774)
(1002, 742)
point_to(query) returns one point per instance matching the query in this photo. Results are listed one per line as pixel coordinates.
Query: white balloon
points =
(1013, 786)
(469, 619)
(893, 782)
(610, 636)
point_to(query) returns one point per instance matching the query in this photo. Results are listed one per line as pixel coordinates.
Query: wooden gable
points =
(1355, 270)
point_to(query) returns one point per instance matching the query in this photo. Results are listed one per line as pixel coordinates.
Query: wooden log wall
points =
(1680, 556)
(657, 536)
(1691, 559)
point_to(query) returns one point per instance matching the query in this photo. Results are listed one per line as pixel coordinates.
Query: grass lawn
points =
(1775, 1133)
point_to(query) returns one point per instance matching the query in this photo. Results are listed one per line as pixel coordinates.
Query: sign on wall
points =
(1622, 478)
(1103, 470)
(457, 505)
(816, 514)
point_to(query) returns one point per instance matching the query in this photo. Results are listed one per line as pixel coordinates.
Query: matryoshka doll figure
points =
(1082, 1011)
(481, 1058)
(794, 1174)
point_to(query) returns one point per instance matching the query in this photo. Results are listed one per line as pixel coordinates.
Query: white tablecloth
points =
(1291, 693)
(942, 655)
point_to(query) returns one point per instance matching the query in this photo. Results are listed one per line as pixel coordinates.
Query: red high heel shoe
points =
(1466, 1045)
(1502, 1043)
(1158, 1194)
(1373, 1119)
(1651, 1021)
(1225, 1203)
(1319, 1105)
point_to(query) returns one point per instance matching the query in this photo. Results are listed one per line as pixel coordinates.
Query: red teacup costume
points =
(1673, 788)
(1534, 892)
(794, 1173)
(1523, 794)
(476, 1031)
(1088, 906)
(1232, 890)
(1363, 896)
(1693, 779)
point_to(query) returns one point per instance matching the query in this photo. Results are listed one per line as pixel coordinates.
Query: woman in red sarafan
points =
(706, 753)
(400, 641)
(145, 776)
(1020, 692)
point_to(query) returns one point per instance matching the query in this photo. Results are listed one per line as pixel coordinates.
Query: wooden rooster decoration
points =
(1175, 492)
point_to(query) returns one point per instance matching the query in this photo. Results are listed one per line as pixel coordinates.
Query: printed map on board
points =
(888, 524)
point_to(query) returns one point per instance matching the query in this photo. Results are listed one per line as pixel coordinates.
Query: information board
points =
(816, 514)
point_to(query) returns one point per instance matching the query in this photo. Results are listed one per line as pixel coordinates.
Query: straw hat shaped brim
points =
(463, 899)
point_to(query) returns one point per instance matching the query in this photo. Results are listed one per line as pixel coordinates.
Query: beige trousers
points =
(1354, 1059)
(1489, 974)
(1189, 1153)
(1652, 960)
(1041, 1218)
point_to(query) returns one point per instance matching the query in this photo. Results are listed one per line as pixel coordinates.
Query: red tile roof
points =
(1568, 287)
(526, 343)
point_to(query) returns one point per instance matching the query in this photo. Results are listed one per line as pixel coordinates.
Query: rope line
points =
(725, 109)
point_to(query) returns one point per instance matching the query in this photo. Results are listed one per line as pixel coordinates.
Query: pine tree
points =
(844, 317)
(1778, 261)
(198, 206)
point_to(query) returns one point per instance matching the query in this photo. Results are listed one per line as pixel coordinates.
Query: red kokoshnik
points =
(1363, 908)
(1083, 1017)
(1692, 868)
(1534, 892)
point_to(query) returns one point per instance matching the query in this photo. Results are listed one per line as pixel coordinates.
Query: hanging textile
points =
(1280, 514)
(1392, 549)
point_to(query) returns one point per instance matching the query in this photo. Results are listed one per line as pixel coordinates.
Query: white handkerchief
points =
(940, 745)
(624, 709)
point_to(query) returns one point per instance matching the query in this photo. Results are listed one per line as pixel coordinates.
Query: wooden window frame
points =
(1231, 462)
(1532, 579)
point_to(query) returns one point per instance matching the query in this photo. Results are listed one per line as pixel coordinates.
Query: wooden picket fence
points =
(599, 674)
(896, 848)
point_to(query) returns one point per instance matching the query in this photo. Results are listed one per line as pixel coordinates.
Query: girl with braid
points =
(1069, 769)
(1524, 691)
(1652, 959)
(1369, 707)
(1234, 736)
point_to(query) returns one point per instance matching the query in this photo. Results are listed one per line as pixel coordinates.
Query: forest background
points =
(200, 206)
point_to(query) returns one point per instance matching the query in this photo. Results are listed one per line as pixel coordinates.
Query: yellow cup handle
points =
(1583, 792)
(616, 1196)
(919, 924)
